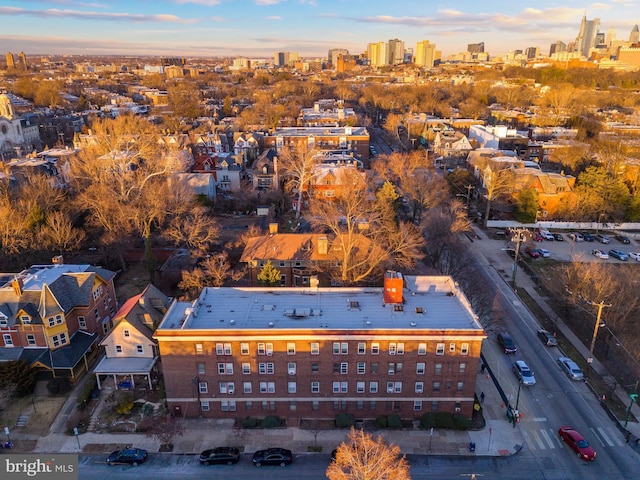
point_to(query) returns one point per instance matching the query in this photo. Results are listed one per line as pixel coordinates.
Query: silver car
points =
(571, 368)
(524, 373)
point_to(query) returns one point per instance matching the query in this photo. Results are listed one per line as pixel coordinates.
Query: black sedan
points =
(130, 456)
(558, 237)
(220, 455)
(623, 239)
(272, 456)
(548, 338)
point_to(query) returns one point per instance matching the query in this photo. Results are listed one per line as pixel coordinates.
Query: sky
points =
(259, 28)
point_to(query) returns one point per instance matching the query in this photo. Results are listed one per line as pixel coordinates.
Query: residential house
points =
(498, 137)
(264, 171)
(210, 143)
(407, 348)
(327, 112)
(554, 189)
(247, 146)
(54, 315)
(196, 183)
(17, 134)
(451, 147)
(130, 349)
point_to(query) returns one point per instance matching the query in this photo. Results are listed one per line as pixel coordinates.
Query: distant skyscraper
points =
(285, 59)
(332, 56)
(610, 36)
(425, 54)
(587, 36)
(396, 52)
(532, 52)
(377, 54)
(634, 36)
(10, 61)
(475, 47)
(557, 47)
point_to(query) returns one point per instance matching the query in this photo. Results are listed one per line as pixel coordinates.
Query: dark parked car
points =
(602, 238)
(220, 455)
(619, 254)
(588, 237)
(548, 338)
(272, 456)
(558, 237)
(131, 456)
(577, 443)
(623, 239)
(506, 342)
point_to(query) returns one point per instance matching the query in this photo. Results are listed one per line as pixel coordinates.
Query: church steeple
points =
(6, 109)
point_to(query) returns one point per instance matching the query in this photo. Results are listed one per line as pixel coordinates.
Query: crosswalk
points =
(548, 438)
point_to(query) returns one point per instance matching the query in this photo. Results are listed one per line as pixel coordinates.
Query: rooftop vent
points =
(271, 325)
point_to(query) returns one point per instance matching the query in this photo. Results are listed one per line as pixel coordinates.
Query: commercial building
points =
(408, 348)
(425, 54)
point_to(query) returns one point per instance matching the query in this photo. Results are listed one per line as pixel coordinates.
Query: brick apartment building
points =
(408, 348)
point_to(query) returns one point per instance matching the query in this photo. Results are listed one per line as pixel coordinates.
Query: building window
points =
(198, 349)
(291, 348)
(246, 387)
(336, 387)
(420, 369)
(27, 320)
(336, 348)
(434, 406)
(8, 340)
(336, 367)
(119, 349)
(261, 349)
(392, 349)
(291, 368)
(392, 368)
(389, 387)
(315, 387)
(203, 387)
(464, 349)
(271, 387)
(82, 323)
(436, 386)
(249, 405)
(460, 386)
(269, 349)
(244, 349)
(200, 368)
(225, 368)
(227, 387)
(262, 368)
(291, 387)
(400, 350)
(398, 368)
(419, 387)
(462, 367)
(360, 405)
(31, 339)
(344, 387)
(270, 368)
(440, 349)
(315, 367)
(374, 368)
(344, 368)
(282, 264)
(51, 321)
(438, 368)
(375, 348)
(315, 349)
(126, 333)
(417, 405)
(139, 349)
(263, 387)
(373, 387)
(246, 368)
(315, 405)
(422, 349)
(360, 387)
(292, 406)
(204, 405)
(362, 368)
(228, 405)
(223, 349)
(452, 347)
(362, 348)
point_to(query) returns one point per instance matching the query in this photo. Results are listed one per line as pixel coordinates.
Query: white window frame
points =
(140, 349)
(315, 387)
(420, 368)
(422, 349)
(291, 348)
(119, 350)
(344, 368)
(244, 349)
(464, 349)
(247, 387)
(362, 348)
(246, 368)
(315, 348)
(361, 387)
(419, 387)
(392, 348)
(375, 348)
(292, 387)
(373, 387)
(440, 349)
(361, 368)
(82, 322)
(203, 387)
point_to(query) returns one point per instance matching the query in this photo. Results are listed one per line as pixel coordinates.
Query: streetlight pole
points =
(518, 237)
(601, 305)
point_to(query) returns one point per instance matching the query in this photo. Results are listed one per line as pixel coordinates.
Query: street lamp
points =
(599, 221)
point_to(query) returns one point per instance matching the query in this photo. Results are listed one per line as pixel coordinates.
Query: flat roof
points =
(430, 303)
(36, 276)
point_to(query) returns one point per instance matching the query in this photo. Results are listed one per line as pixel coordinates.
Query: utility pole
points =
(518, 236)
(600, 305)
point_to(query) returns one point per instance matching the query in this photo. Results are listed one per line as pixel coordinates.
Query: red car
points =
(577, 443)
(536, 237)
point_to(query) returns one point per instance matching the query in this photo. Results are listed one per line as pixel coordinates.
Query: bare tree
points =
(194, 229)
(164, 428)
(363, 458)
(296, 165)
(496, 181)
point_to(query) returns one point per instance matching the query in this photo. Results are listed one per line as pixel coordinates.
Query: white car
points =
(600, 254)
(546, 234)
(635, 256)
(544, 253)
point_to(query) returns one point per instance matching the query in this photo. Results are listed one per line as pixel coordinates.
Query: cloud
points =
(274, 17)
(206, 3)
(262, 3)
(99, 16)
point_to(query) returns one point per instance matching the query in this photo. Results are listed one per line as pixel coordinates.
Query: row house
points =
(353, 139)
(408, 348)
(264, 171)
(247, 146)
(54, 315)
(299, 257)
(210, 143)
(225, 168)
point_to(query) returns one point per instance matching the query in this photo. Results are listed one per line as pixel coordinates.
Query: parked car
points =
(511, 252)
(602, 238)
(536, 237)
(506, 342)
(532, 252)
(130, 456)
(635, 256)
(588, 237)
(576, 237)
(577, 443)
(570, 368)
(544, 253)
(600, 254)
(548, 338)
(623, 239)
(558, 237)
(272, 456)
(220, 455)
(619, 254)
(524, 373)
(546, 234)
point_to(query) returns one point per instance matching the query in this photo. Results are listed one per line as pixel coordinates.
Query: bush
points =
(124, 405)
(59, 386)
(381, 422)
(427, 420)
(250, 422)
(345, 420)
(444, 420)
(394, 421)
(85, 396)
(461, 422)
(272, 421)
(18, 374)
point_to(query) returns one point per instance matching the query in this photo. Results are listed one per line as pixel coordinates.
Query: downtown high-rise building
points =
(475, 47)
(587, 36)
(285, 59)
(11, 63)
(377, 53)
(396, 52)
(425, 54)
(634, 36)
(334, 53)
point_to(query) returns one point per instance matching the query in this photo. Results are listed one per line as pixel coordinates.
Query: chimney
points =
(273, 228)
(323, 245)
(17, 284)
(393, 284)
(58, 260)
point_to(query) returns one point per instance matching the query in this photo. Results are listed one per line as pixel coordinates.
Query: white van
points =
(546, 234)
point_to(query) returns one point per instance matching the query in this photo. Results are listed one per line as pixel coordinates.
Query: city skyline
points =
(258, 28)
